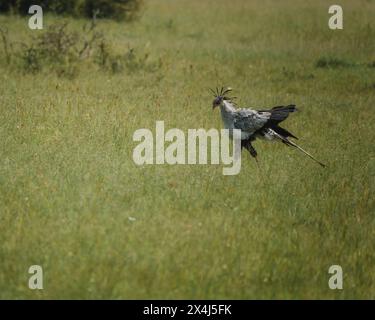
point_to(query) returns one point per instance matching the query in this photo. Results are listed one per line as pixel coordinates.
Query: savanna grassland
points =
(73, 201)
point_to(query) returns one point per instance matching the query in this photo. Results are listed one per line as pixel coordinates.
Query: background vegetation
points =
(72, 200)
(115, 9)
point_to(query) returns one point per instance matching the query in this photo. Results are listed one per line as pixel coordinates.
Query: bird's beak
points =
(214, 106)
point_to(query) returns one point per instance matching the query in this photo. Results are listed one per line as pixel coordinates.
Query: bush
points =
(55, 6)
(60, 49)
(113, 9)
(7, 5)
(65, 51)
(332, 62)
(116, 9)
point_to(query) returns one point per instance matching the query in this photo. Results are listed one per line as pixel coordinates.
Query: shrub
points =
(7, 5)
(116, 9)
(57, 49)
(55, 6)
(64, 51)
(113, 9)
(332, 62)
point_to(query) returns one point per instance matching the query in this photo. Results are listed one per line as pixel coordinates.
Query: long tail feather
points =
(293, 144)
(305, 152)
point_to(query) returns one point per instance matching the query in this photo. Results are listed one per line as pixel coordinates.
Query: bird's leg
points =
(256, 160)
(254, 154)
(252, 150)
(244, 144)
(249, 147)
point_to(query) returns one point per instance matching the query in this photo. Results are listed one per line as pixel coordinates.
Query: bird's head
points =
(220, 96)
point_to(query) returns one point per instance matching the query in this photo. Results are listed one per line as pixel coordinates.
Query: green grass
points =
(68, 184)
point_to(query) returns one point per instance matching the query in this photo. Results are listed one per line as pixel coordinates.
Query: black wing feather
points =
(279, 114)
(283, 132)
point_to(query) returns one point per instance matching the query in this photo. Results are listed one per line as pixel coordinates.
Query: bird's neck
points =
(227, 106)
(227, 109)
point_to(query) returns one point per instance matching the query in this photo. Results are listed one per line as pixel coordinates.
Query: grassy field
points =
(73, 201)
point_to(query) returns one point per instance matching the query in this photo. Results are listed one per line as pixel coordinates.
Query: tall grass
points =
(73, 201)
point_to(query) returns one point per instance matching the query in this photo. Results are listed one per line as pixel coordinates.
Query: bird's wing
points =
(249, 120)
(280, 113)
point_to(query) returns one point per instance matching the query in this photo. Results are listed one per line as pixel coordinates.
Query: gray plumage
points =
(250, 121)
(256, 123)
(246, 120)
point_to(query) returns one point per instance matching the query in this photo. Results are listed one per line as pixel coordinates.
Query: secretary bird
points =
(254, 124)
